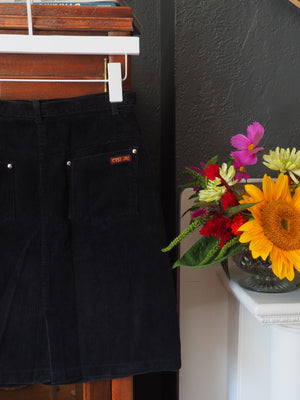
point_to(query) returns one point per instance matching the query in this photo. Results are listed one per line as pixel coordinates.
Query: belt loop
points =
(114, 109)
(37, 109)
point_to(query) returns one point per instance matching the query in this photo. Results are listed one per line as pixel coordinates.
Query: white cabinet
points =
(265, 355)
(236, 344)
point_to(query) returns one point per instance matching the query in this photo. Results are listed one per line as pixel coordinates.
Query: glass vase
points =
(261, 277)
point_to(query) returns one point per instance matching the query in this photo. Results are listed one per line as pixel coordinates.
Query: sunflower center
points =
(281, 224)
(250, 147)
(285, 224)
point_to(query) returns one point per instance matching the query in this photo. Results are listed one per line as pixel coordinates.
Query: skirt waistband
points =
(58, 107)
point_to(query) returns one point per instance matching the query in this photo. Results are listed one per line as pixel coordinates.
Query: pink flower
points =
(248, 145)
(240, 167)
(198, 170)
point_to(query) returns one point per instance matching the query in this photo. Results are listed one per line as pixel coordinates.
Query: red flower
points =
(237, 221)
(212, 172)
(229, 200)
(219, 227)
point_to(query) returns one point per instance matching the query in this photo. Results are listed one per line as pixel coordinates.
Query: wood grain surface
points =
(62, 20)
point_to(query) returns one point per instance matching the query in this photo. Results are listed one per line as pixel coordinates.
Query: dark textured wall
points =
(146, 78)
(153, 80)
(237, 61)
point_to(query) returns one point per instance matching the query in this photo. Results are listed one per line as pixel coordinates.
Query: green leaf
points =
(188, 185)
(234, 210)
(196, 256)
(224, 264)
(213, 160)
(194, 196)
(230, 162)
(198, 179)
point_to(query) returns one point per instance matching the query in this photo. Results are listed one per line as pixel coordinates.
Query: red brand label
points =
(120, 159)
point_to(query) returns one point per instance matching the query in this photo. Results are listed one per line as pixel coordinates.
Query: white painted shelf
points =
(268, 308)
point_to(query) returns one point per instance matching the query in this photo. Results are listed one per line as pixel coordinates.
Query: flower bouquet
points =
(266, 220)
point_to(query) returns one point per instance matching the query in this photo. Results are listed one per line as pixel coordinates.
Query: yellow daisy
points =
(213, 192)
(275, 229)
(284, 160)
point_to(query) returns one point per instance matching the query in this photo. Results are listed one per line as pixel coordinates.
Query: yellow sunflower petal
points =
(288, 267)
(282, 266)
(268, 187)
(282, 190)
(277, 260)
(250, 229)
(251, 225)
(296, 200)
(294, 257)
(289, 272)
(254, 193)
(256, 210)
(261, 248)
(290, 275)
(246, 199)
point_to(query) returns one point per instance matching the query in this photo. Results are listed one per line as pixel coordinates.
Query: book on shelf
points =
(104, 3)
(136, 23)
(75, 3)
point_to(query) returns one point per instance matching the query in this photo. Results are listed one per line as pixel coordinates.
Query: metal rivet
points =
(9, 166)
(69, 163)
(134, 151)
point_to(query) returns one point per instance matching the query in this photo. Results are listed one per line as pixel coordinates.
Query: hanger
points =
(81, 45)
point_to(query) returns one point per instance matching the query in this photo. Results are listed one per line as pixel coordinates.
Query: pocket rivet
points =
(69, 163)
(134, 151)
(9, 166)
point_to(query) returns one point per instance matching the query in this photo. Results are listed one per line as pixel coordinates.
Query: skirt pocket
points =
(103, 187)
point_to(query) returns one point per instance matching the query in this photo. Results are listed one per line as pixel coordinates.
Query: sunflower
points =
(275, 229)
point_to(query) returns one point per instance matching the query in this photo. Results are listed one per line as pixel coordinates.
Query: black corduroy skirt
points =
(85, 293)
